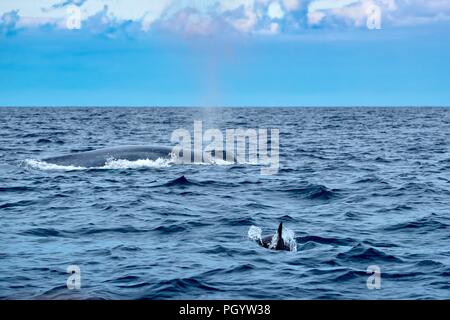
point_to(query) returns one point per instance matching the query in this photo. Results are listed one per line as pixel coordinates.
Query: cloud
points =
(419, 12)
(272, 29)
(107, 24)
(315, 17)
(392, 13)
(67, 3)
(349, 12)
(204, 17)
(188, 21)
(8, 22)
(274, 11)
(243, 18)
(291, 5)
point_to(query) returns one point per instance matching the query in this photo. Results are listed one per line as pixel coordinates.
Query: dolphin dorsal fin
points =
(280, 241)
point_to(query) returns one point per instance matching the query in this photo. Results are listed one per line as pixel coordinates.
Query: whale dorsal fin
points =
(280, 242)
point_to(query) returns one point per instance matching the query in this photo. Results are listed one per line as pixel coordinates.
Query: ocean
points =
(357, 189)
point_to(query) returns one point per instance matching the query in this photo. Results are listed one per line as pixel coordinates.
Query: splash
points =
(119, 164)
(208, 159)
(255, 233)
(42, 165)
(289, 238)
(109, 165)
(147, 163)
(214, 161)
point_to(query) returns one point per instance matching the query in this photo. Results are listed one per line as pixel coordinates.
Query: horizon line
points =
(225, 106)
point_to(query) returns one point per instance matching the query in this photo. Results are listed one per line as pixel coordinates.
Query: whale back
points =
(98, 158)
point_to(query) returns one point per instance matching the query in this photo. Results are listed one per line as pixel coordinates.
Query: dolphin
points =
(99, 157)
(268, 241)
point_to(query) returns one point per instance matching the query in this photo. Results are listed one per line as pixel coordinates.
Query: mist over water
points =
(356, 187)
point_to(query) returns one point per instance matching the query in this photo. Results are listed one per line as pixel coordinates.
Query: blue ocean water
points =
(357, 186)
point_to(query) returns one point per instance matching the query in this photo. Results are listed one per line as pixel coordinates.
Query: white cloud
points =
(317, 5)
(351, 12)
(274, 11)
(246, 16)
(419, 12)
(26, 7)
(354, 14)
(246, 23)
(272, 29)
(230, 5)
(392, 12)
(315, 17)
(146, 12)
(291, 5)
(54, 11)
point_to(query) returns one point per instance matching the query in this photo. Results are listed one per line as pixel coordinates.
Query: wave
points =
(324, 240)
(429, 263)
(222, 250)
(110, 165)
(43, 232)
(15, 189)
(51, 232)
(20, 203)
(115, 164)
(350, 275)
(314, 192)
(425, 225)
(180, 286)
(168, 229)
(181, 181)
(43, 141)
(363, 253)
(165, 228)
(370, 179)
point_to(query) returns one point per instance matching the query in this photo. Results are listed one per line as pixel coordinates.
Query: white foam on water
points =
(254, 233)
(119, 164)
(42, 165)
(274, 241)
(110, 164)
(289, 238)
(145, 163)
(214, 161)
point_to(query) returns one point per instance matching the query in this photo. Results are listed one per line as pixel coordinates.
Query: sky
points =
(225, 53)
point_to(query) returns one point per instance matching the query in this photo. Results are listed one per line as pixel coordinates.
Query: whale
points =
(100, 157)
(275, 242)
